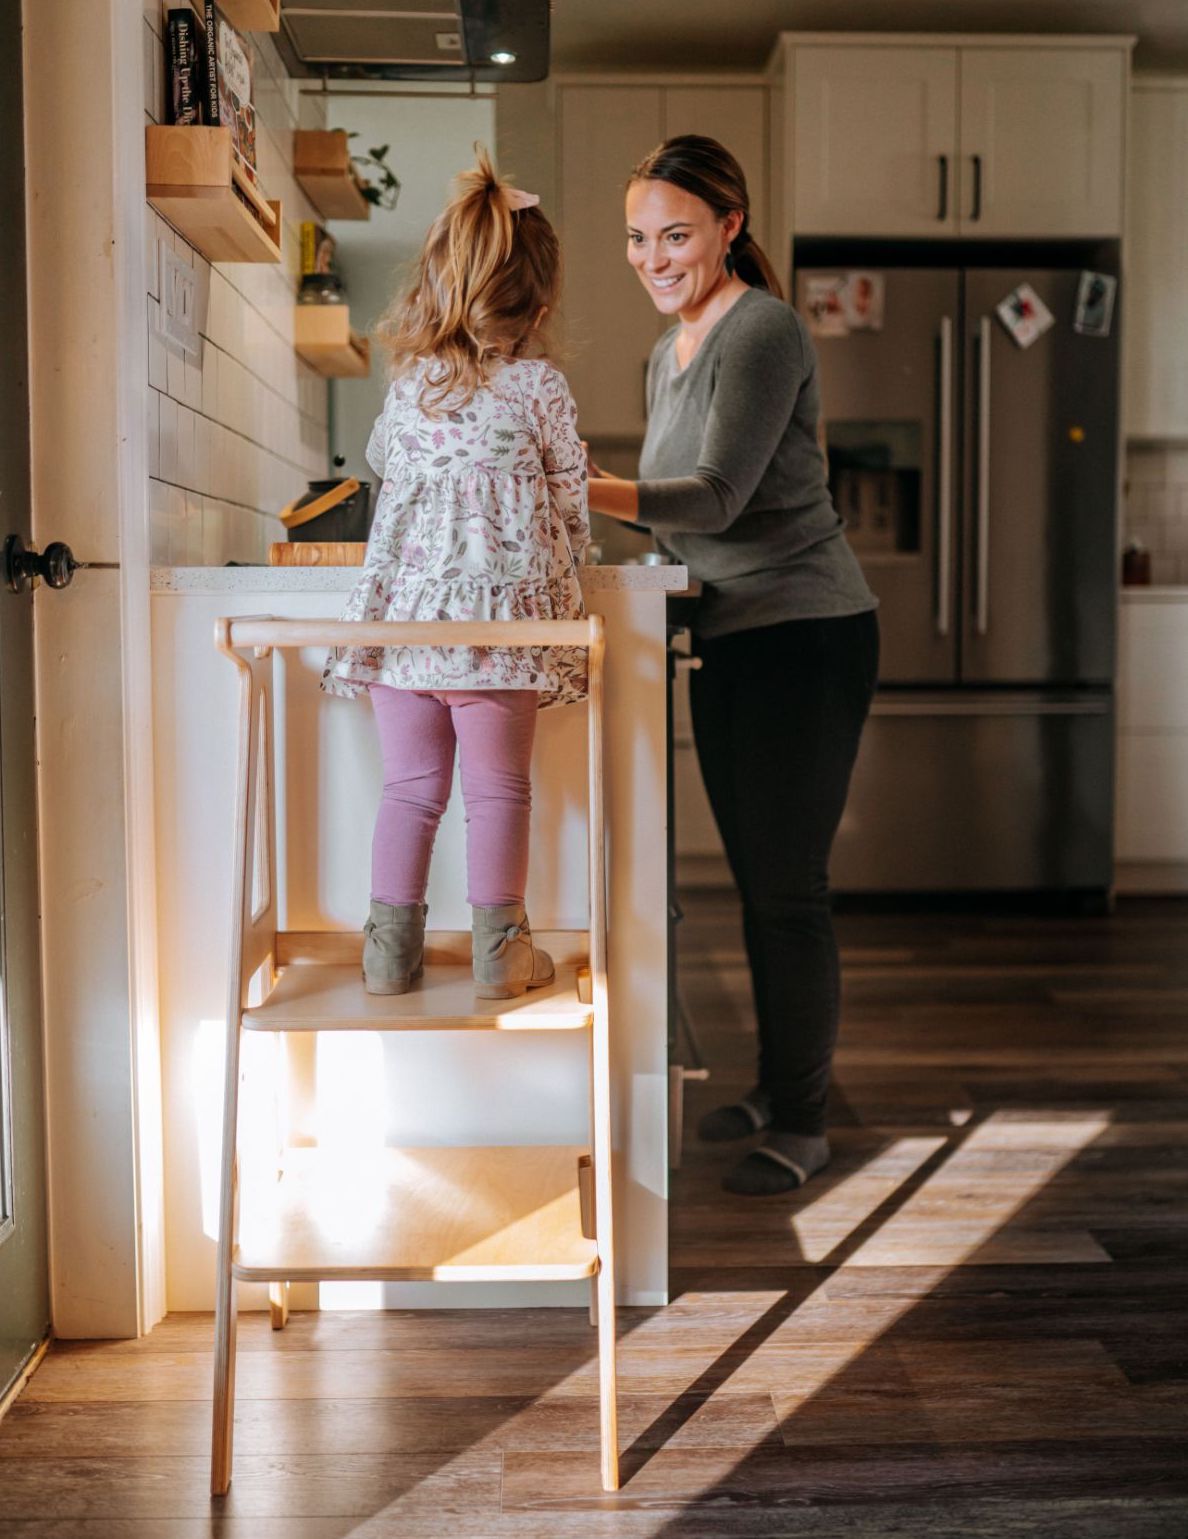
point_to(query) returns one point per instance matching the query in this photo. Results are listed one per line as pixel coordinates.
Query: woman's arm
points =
(619, 499)
(760, 375)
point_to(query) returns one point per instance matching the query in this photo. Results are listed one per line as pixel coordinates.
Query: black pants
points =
(777, 717)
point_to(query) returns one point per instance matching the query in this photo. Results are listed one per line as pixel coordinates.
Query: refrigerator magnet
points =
(862, 301)
(1095, 304)
(824, 300)
(1025, 315)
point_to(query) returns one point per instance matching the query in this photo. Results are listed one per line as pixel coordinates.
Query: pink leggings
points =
(493, 729)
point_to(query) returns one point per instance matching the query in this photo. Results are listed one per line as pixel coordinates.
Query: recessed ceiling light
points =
(503, 57)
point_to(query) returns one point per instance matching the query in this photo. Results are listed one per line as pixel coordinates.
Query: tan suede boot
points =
(505, 960)
(394, 947)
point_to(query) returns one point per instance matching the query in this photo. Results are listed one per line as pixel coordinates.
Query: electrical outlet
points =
(179, 315)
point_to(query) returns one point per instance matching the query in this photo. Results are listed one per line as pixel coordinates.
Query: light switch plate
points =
(179, 301)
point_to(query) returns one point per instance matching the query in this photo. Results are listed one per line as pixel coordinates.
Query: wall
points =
(235, 435)
(1156, 508)
(431, 140)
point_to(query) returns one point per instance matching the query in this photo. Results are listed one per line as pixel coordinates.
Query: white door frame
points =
(88, 378)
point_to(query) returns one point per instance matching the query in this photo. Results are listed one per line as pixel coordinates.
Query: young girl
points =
(481, 516)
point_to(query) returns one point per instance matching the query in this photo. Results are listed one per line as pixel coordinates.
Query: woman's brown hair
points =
(710, 172)
(485, 274)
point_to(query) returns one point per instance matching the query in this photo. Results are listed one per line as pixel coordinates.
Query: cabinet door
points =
(1155, 336)
(875, 138)
(737, 117)
(1041, 141)
(610, 323)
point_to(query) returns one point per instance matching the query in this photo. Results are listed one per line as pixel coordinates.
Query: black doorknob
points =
(55, 565)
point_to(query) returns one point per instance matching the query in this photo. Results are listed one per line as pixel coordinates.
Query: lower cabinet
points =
(1151, 843)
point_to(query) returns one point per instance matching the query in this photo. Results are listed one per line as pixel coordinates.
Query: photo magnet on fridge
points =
(1095, 304)
(862, 301)
(1025, 315)
(824, 299)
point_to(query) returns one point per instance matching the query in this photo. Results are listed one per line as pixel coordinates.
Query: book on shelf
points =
(186, 53)
(229, 86)
(317, 249)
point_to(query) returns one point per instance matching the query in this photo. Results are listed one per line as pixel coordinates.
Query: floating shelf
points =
(323, 169)
(417, 1215)
(193, 182)
(252, 15)
(322, 336)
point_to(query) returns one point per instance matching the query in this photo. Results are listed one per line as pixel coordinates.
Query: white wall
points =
(236, 434)
(431, 140)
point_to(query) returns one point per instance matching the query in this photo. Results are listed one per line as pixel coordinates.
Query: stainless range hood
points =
(489, 40)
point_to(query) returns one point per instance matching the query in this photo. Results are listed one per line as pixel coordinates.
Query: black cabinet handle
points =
(942, 211)
(977, 188)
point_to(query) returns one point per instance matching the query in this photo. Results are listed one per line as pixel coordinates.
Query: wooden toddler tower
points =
(439, 1215)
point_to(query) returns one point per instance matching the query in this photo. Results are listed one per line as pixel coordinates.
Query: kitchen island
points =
(434, 1090)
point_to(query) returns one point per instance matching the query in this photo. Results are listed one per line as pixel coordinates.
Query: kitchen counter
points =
(420, 1089)
(337, 579)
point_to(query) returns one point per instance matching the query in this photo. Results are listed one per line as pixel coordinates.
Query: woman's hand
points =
(595, 472)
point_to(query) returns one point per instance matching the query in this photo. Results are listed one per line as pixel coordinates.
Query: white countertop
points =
(340, 579)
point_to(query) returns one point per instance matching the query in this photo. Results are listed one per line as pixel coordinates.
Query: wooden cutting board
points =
(317, 553)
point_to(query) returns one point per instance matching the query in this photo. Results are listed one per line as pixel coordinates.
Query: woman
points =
(733, 485)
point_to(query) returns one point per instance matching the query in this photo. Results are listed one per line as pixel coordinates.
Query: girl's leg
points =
(417, 746)
(778, 715)
(495, 729)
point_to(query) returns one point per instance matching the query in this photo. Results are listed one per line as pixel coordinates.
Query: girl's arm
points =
(564, 460)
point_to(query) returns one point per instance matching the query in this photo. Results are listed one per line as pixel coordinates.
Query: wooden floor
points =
(972, 1324)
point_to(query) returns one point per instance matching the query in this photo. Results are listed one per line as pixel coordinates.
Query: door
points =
(875, 141)
(24, 1278)
(889, 402)
(1041, 141)
(1040, 491)
(610, 323)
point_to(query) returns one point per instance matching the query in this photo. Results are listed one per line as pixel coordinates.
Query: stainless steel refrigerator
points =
(979, 481)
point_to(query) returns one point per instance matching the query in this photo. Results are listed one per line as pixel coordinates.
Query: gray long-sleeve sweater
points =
(733, 480)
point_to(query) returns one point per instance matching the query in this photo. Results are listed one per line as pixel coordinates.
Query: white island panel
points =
(406, 1089)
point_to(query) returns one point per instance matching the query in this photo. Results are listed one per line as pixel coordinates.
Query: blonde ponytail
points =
(489, 267)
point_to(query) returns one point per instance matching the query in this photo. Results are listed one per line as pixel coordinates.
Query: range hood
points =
(489, 40)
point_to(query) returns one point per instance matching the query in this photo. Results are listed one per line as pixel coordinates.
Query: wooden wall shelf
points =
(322, 336)
(322, 166)
(193, 182)
(252, 15)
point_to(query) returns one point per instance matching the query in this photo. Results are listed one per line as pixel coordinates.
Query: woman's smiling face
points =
(677, 244)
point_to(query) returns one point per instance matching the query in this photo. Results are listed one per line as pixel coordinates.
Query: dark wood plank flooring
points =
(972, 1324)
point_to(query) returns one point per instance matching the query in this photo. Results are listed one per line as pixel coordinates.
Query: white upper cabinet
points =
(1041, 139)
(1155, 336)
(960, 138)
(875, 131)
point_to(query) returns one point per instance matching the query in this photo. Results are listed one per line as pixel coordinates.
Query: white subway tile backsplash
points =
(158, 363)
(235, 434)
(168, 451)
(1156, 509)
(175, 359)
(185, 446)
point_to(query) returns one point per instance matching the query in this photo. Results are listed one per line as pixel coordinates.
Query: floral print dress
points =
(482, 515)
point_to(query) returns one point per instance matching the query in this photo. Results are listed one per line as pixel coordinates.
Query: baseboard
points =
(1151, 876)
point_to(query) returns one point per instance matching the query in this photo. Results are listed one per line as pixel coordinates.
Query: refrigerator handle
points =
(982, 596)
(944, 482)
(942, 211)
(975, 213)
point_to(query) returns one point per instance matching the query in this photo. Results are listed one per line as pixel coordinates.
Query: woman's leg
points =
(495, 729)
(416, 737)
(778, 715)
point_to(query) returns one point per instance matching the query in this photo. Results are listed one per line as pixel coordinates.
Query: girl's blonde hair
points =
(485, 274)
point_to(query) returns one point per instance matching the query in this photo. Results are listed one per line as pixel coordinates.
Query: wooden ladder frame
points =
(249, 643)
